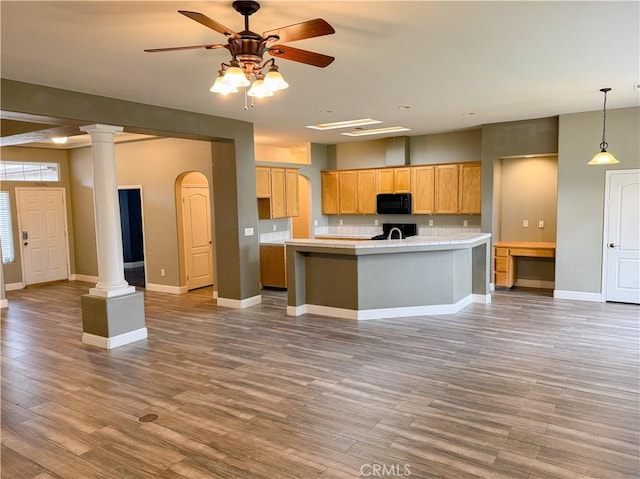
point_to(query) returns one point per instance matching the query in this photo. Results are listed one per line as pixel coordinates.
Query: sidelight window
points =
(6, 229)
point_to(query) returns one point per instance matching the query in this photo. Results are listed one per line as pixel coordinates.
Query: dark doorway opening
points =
(132, 236)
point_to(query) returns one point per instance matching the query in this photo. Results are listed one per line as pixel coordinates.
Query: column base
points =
(111, 322)
(112, 293)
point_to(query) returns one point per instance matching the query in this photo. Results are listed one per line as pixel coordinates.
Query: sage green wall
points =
(156, 166)
(13, 271)
(454, 147)
(236, 207)
(516, 138)
(581, 191)
(361, 154)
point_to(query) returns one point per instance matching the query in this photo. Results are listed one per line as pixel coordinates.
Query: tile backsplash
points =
(369, 231)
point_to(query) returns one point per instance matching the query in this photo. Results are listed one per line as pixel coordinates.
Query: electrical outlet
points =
(341, 222)
(465, 223)
(540, 223)
(162, 272)
(275, 228)
(248, 231)
(430, 222)
(525, 223)
(375, 222)
(315, 222)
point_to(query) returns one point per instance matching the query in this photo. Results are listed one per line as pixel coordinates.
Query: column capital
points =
(100, 128)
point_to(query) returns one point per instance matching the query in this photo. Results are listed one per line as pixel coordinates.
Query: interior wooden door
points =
(622, 237)
(197, 236)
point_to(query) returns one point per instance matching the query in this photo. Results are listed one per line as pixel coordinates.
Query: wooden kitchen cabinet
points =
(446, 189)
(263, 182)
(348, 192)
(329, 187)
(470, 186)
(282, 200)
(422, 190)
(394, 180)
(292, 203)
(273, 266)
(367, 180)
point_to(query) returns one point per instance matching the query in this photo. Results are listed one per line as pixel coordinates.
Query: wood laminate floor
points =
(526, 387)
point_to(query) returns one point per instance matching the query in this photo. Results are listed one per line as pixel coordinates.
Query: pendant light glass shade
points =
(258, 89)
(235, 76)
(604, 157)
(221, 86)
(273, 81)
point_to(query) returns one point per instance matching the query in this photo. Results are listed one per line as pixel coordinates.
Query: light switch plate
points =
(525, 223)
(248, 231)
(541, 224)
(465, 223)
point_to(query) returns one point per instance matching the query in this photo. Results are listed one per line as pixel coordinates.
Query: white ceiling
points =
(503, 61)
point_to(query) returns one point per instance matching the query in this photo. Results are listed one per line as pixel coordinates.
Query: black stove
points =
(404, 230)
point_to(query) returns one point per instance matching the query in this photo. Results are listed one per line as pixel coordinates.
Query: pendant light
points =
(604, 157)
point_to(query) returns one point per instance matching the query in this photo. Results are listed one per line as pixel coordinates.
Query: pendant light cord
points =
(604, 144)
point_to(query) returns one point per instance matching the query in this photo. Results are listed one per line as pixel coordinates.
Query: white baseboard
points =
(239, 303)
(4, 303)
(135, 264)
(535, 283)
(84, 277)
(164, 288)
(114, 341)
(578, 296)
(380, 313)
(13, 286)
(481, 298)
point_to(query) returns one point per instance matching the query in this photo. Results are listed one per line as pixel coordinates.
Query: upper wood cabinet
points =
(367, 181)
(292, 203)
(449, 188)
(394, 180)
(282, 198)
(348, 192)
(329, 192)
(446, 189)
(263, 182)
(422, 189)
(470, 188)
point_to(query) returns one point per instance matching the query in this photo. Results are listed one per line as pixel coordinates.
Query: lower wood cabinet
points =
(273, 266)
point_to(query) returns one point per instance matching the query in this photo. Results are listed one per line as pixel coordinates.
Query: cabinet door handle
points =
(613, 245)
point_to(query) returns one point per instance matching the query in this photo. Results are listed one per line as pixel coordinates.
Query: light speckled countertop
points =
(413, 241)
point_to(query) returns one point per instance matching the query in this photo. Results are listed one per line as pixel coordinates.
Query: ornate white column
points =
(111, 282)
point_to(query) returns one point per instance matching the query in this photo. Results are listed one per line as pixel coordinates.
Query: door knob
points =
(26, 243)
(612, 245)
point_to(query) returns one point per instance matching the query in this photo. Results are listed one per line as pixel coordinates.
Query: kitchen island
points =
(388, 278)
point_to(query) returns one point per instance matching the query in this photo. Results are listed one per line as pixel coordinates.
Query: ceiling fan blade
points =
(207, 22)
(300, 31)
(208, 47)
(302, 56)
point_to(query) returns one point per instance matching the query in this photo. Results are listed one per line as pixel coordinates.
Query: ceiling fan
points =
(247, 49)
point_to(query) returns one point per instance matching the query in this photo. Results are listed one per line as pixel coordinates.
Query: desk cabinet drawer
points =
(532, 253)
(501, 279)
(502, 251)
(501, 264)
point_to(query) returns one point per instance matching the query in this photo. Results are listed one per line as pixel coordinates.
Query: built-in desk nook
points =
(506, 252)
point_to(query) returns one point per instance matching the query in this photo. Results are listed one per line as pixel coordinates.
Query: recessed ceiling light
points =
(404, 107)
(60, 140)
(376, 131)
(468, 113)
(326, 111)
(344, 124)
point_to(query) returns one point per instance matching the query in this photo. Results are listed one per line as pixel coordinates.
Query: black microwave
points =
(393, 204)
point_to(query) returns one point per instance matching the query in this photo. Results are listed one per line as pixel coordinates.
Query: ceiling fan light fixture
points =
(235, 76)
(221, 86)
(258, 89)
(274, 81)
(604, 157)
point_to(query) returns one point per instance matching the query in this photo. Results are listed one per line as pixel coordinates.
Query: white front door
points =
(622, 237)
(197, 235)
(43, 234)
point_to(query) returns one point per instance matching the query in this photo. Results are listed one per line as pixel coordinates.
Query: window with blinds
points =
(6, 229)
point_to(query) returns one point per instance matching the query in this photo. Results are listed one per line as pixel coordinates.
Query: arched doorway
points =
(195, 230)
